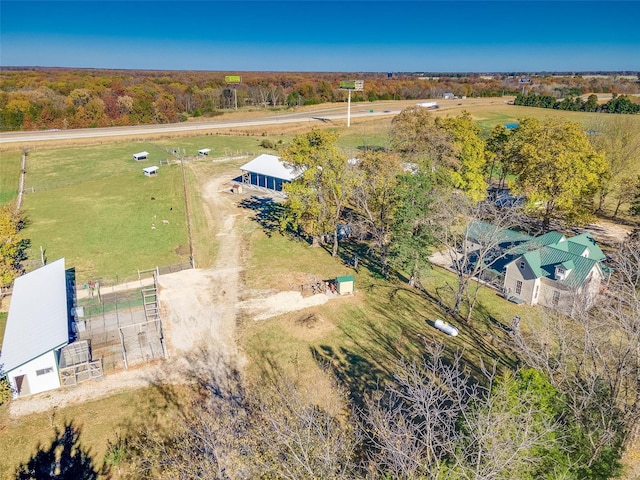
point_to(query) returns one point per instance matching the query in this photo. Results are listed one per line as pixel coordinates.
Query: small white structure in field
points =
(37, 329)
(150, 171)
(446, 327)
(140, 156)
(204, 151)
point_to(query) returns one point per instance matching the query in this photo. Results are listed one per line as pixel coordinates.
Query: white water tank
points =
(445, 327)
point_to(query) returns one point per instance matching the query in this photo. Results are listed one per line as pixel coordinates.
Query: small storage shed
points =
(204, 151)
(150, 171)
(37, 329)
(140, 156)
(345, 284)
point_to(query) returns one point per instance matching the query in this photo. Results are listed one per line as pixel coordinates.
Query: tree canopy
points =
(557, 169)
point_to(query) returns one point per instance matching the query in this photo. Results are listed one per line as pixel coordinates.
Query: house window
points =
(518, 287)
(44, 371)
(521, 264)
(556, 298)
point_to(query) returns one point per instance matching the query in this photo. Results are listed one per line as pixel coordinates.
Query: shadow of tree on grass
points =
(64, 459)
(267, 212)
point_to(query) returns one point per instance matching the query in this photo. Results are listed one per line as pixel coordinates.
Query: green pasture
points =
(9, 175)
(488, 116)
(94, 206)
(361, 338)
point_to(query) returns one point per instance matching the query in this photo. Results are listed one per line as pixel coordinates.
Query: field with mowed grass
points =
(9, 175)
(94, 206)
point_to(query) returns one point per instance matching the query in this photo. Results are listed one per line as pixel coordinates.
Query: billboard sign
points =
(232, 79)
(352, 85)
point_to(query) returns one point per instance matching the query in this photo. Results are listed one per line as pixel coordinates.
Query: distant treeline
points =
(37, 98)
(618, 104)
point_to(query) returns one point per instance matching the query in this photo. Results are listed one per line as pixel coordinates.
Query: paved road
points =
(319, 116)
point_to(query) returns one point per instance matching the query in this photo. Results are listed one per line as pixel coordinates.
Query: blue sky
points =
(349, 36)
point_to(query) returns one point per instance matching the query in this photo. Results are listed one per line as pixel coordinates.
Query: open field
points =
(9, 175)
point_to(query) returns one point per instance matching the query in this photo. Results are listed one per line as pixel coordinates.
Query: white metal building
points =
(140, 156)
(150, 171)
(268, 171)
(204, 151)
(37, 328)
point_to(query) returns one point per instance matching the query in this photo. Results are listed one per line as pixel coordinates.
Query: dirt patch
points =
(280, 303)
(182, 250)
(608, 233)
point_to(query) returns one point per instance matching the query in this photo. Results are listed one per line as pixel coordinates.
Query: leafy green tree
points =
(411, 232)
(12, 247)
(591, 105)
(635, 204)
(501, 152)
(557, 169)
(376, 199)
(317, 198)
(417, 138)
(469, 148)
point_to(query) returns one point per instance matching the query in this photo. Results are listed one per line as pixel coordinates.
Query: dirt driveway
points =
(199, 308)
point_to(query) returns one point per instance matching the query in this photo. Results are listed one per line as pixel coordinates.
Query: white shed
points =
(150, 171)
(204, 151)
(37, 328)
(140, 156)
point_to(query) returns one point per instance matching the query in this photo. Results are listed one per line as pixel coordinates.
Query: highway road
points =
(320, 116)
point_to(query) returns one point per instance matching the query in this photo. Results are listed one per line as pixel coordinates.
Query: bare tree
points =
(594, 360)
(436, 421)
(473, 236)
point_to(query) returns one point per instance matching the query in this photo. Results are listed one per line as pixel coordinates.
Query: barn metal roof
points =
(38, 321)
(271, 166)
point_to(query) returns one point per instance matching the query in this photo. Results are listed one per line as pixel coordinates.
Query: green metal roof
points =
(546, 252)
(478, 230)
(345, 278)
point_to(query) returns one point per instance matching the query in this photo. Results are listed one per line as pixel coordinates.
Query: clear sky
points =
(341, 36)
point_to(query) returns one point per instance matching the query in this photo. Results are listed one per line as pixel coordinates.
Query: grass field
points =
(360, 337)
(94, 206)
(9, 175)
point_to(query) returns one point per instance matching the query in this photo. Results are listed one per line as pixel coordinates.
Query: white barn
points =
(37, 329)
(269, 172)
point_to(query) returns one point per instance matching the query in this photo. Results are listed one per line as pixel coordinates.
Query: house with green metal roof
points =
(564, 274)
